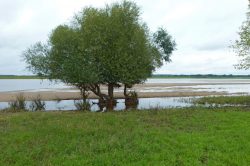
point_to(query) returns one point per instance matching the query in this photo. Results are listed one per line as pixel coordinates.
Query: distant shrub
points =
(37, 104)
(19, 104)
(82, 106)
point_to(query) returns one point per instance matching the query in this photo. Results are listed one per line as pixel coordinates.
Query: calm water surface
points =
(239, 85)
(145, 103)
(8, 85)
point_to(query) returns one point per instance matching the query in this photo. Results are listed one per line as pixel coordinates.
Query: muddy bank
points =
(148, 90)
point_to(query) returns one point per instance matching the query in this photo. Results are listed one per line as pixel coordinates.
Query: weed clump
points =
(19, 104)
(37, 104)
(82, 106)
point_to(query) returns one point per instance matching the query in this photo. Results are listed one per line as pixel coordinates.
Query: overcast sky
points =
(203, 30)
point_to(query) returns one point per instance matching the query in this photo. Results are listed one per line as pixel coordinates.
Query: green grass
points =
(195, 136)
(235, 100)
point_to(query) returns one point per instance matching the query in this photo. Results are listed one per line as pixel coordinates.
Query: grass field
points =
(191, 136)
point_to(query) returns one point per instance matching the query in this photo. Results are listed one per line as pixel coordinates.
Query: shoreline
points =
(51, 95)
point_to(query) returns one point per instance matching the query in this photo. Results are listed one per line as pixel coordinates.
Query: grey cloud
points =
(197, 26)
(212, 46)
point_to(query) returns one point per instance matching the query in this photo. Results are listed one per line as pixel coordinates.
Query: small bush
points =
(131, 101)
(19, 104)
(82, 106)
(37, 104)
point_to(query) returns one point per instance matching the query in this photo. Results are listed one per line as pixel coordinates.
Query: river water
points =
(229, 86)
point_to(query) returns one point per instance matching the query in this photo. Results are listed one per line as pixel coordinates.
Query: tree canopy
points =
(102, 46)
(242, 45)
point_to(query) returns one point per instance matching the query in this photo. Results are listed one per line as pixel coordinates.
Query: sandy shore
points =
(50, 95)
(144, 91)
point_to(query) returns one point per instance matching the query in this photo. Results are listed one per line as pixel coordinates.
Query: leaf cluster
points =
(242, 46)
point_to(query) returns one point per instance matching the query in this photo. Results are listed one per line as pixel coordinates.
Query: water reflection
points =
(144, 103)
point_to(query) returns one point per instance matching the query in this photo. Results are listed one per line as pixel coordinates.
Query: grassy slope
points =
(173, 137)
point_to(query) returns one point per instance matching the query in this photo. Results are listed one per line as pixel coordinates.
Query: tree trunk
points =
(84, 92)
(97, 91)
(111, 91)
(111, 102)
(107, 100)
(125, 91)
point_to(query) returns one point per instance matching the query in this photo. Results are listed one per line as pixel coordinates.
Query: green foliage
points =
(108, 46)
(37, 59)
(164, 43)
(19, 104)
(242, 45)
(195, 136)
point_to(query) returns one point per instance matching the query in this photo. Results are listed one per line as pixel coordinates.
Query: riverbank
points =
(193, 136)
(51, 95)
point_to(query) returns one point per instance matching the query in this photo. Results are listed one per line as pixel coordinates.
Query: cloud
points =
(212, 46)
(203, 30)
(182, 11)
(201, 62)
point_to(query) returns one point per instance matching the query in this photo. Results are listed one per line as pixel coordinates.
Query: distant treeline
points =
(19, 77)
(154, 76)
(200, 76)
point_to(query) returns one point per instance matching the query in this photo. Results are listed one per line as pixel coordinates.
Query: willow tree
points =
(125, 50)
(242, 45)
(107, 46)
